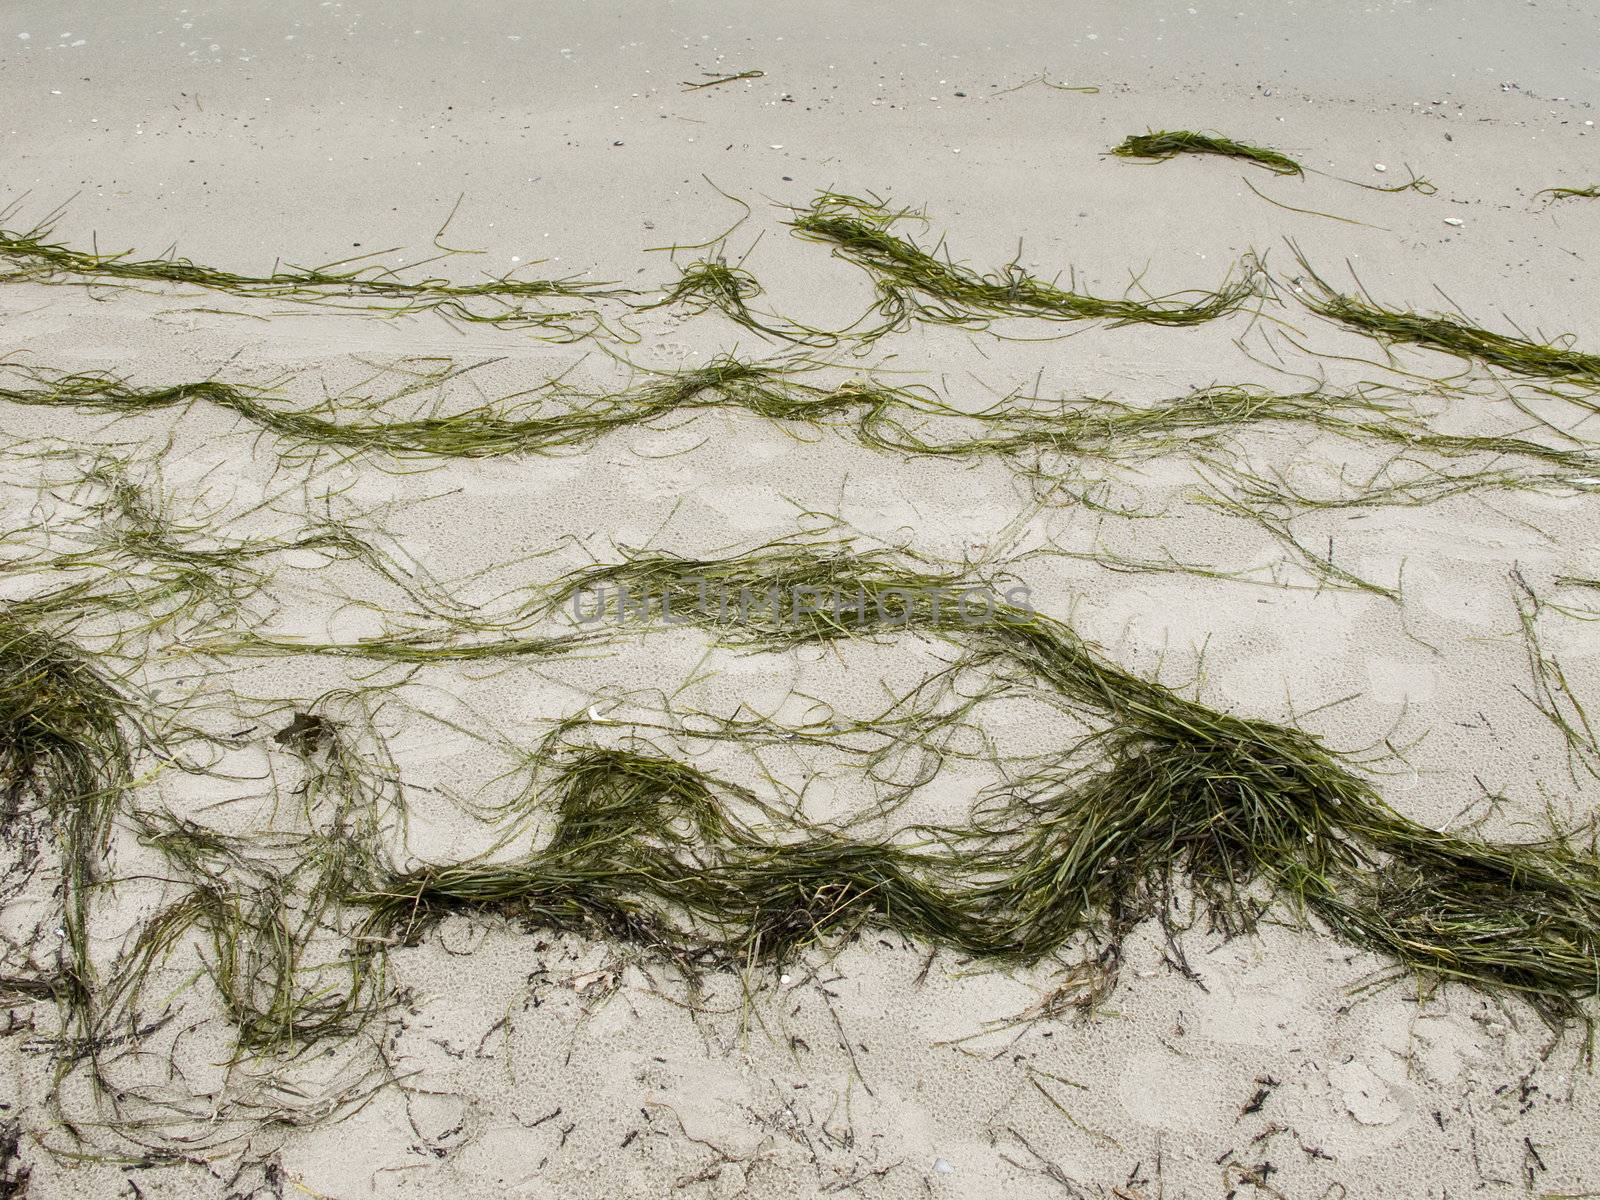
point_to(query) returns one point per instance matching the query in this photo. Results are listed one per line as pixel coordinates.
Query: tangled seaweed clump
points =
(708, 284)
(270, 908)
(1171, 143)
(65, 763)
(1249, 815)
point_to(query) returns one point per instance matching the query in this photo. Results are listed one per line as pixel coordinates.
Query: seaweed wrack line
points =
(916, 283)
(1247, 812)
(39, 258)
(896, 420)
(1522, 356)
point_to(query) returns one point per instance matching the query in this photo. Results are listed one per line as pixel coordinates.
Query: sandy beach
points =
(364, 895)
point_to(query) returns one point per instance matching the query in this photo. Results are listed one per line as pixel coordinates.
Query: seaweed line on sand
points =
(914, 283)
(1554, 360)
(500, 301)
(1245, 810)
(1027, 432)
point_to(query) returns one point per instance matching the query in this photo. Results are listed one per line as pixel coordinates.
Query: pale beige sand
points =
(540, 1066)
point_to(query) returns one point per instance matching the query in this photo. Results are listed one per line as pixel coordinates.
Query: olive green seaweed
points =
(1246, 813)
(1570, 193)
(1558, 360)
(501, 301)
(1171, 143)
(66, 755)
(1029, 432)
(914, 283)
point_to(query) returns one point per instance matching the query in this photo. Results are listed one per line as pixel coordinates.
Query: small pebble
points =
(1379, 167)
(941, 1167)
(1452, 221)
